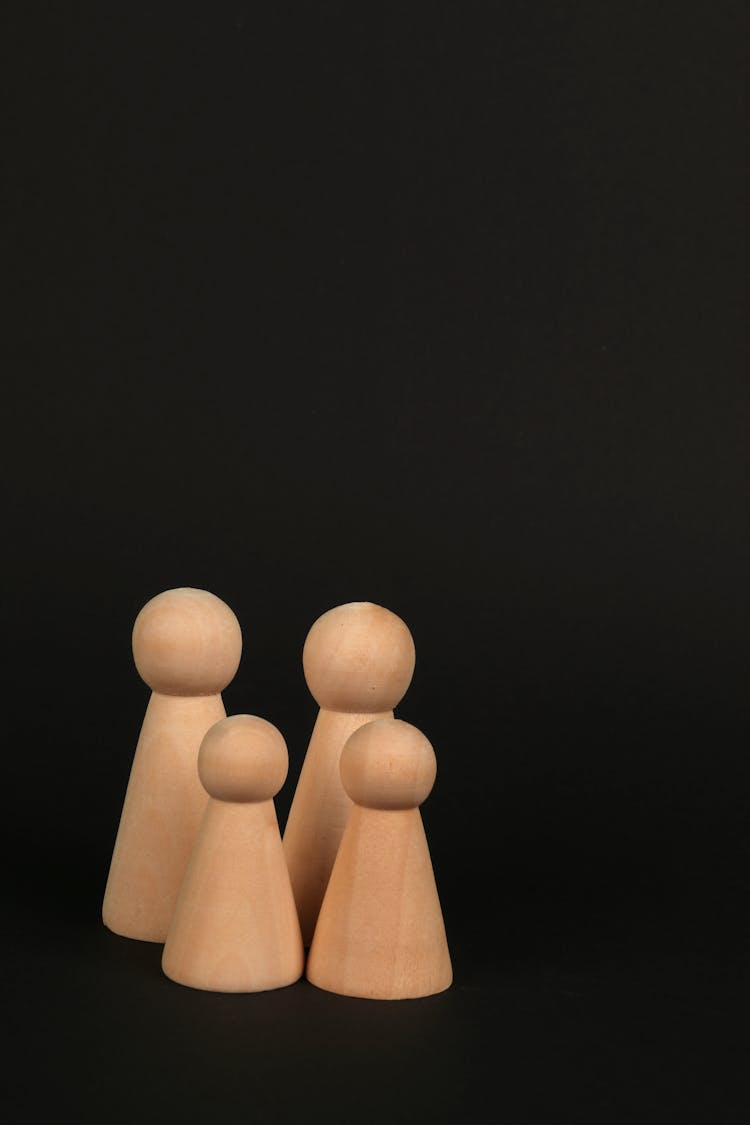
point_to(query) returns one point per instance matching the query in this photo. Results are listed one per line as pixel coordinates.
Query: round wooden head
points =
(358, 658)
(187, 642)
(388, 764)
(242, 759)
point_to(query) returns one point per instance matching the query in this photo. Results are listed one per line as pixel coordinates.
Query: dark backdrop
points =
(444, 311)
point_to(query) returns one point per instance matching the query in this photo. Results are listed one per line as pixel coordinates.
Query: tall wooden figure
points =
(235, 927)
(358, 661)
(187, 645)
(380, 931)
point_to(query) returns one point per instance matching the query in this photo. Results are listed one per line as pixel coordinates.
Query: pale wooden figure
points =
(358, 661)
(235, 926)
(380, 931)
(187, 645)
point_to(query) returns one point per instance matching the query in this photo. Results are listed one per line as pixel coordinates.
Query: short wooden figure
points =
(187, 645)
(358, 661)
(235, 926)
(380, 931)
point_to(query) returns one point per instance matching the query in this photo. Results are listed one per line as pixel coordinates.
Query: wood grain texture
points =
(380, 931)
(187, 645)
(235, 925)
(358, 661)
(319, 813)
(161, 813)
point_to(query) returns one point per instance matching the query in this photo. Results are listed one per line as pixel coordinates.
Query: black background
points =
(442, 310)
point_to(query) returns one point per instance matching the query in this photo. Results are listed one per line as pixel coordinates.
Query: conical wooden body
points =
(235, 927)
(319, 813)
(380, 931)
(160, 817)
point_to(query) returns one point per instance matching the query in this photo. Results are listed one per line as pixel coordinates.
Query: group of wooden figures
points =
(199, 863)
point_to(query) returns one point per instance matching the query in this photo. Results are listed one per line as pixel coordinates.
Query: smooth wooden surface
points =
(235, 926)
(318, 814)
(380, 931)
(161, 813)
(358, 657)
(187, 646)
(358, 661)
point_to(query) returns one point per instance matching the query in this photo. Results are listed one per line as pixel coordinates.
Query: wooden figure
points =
(235, 926)
(358, 661)
(187, 645)
(380, 931)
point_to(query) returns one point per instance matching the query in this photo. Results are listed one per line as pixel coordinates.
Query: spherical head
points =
(187, 642)
(388, 764)
(358, 658)
(242, 759)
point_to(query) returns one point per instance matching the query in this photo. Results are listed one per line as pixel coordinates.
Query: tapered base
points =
(235, 927)
(161, 813)
(380, 933)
